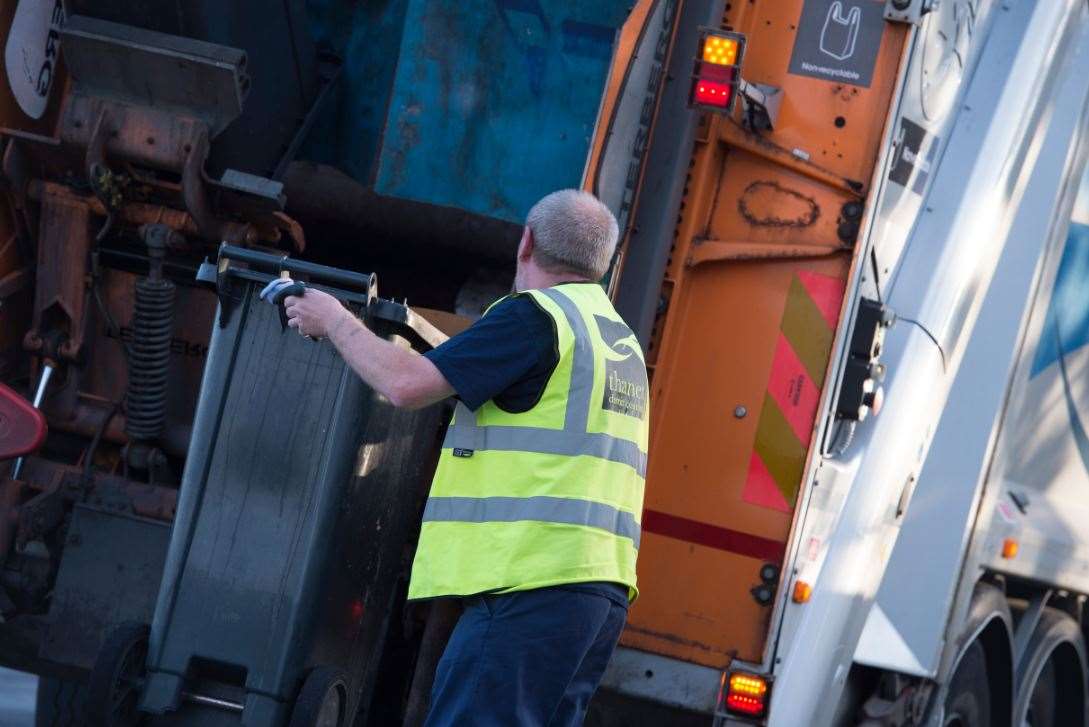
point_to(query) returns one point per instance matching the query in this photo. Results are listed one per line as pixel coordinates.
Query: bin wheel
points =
(323, 699)
(113, 689)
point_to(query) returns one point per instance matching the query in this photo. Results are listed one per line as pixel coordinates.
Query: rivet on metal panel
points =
(740, 412)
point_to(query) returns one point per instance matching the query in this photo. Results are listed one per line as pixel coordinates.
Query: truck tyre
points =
(113, 690)
(968, 702)
(1041, 706)
(1051, 674)
(60, 703)
(323, 700)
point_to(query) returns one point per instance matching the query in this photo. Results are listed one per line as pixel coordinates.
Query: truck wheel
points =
(1051, 674)
(323, 700)
(968, 703)
(117, 677)
(60, 703)
(1041, 707)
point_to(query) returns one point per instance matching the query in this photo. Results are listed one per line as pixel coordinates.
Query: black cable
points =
(876, 279)
(941, 352)
(89, 457)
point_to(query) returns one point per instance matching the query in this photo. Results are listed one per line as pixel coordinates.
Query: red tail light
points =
(747, 694)
(712, 93)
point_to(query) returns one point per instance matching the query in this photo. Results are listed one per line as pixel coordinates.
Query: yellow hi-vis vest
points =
(552, 495)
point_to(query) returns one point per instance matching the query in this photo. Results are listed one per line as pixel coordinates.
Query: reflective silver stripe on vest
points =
(573, 439)
(563, 510)
(582, 364)
(543, 441)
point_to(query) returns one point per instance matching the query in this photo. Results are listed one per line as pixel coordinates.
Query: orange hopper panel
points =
(754, 290)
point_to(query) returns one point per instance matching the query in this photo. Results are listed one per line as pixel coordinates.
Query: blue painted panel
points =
(1067, 326)
(367, 37)
(495, 101)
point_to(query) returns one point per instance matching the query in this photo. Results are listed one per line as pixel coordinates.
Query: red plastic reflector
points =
(22, 427)
(747, 694)
(712, 93)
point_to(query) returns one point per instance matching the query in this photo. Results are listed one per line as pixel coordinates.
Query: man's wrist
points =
(343, 324)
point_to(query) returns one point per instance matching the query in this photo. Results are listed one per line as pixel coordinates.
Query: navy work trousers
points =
(528, 658)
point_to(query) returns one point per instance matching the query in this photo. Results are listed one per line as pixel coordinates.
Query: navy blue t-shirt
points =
(508, 355)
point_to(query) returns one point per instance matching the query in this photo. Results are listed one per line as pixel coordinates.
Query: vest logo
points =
(459, 452)
(626, 386)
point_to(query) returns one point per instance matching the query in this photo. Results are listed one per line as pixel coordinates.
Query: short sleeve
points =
(496, 353)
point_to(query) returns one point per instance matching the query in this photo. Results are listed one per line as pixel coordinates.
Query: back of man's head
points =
(573, 232)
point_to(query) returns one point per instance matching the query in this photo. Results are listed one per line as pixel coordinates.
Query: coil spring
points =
(149, 358)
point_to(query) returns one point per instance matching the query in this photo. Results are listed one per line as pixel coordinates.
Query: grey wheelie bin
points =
(300, 494)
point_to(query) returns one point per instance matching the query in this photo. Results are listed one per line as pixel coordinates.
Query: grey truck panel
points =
(925, 566)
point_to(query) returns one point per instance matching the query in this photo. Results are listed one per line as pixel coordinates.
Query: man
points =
(533, 516)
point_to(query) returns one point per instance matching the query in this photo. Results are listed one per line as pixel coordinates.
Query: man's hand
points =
(315, 314)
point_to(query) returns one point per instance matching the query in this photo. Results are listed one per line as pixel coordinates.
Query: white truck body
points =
(899, 527)
(1001, 185)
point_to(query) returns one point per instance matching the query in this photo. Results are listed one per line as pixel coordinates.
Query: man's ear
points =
(525, 245)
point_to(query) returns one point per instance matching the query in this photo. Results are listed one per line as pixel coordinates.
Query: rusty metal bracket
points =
(196, 200)
(60, 296)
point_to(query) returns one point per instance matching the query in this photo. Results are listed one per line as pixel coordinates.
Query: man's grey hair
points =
(573, 232)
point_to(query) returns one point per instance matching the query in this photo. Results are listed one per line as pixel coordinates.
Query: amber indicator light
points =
(1009, 548)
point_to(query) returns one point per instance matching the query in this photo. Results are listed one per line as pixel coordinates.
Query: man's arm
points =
(478, 364)
(403, 376)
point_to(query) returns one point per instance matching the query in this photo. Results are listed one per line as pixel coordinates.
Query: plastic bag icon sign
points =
(840, 33)
(838, 40)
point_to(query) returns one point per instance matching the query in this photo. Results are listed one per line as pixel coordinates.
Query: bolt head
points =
(740, 412)
(762, 594)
